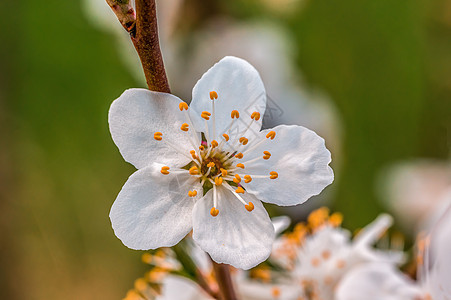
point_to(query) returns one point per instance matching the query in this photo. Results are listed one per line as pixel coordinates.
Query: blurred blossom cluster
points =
(318, 259)
(417, 192)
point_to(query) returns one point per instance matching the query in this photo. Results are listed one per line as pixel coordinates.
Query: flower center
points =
(220, 165)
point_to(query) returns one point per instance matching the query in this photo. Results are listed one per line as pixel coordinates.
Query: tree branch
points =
(145, 39)
(124, 12)
(222, 273)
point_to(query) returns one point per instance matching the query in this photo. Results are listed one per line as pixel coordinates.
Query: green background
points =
(385, 63)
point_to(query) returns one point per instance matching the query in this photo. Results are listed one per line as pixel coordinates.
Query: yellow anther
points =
(273, 175)
(271, 135)
(132, 295)
(183, 106)
(226, 137)
(239, 155)
(240, 165)
(275, 292)
(184, 127)
(192, 193)
(243, 140)
(255, 115)
(315, 261)
(147, 258)
(266, 155)
(214, 212)
(213, 95)
(206, 115)
(341, 264)
(140, 284)
(239, 190)
(193, 170)
(193, 154)
(214, 144)
(223, 172)
(247, 178)
(237, 179)
(235, 114)
(165, 170)
(158, 136)
(325, 254)
(218, 180)
(201, 147)
(335, 219)
(211, 164)
(249, 206)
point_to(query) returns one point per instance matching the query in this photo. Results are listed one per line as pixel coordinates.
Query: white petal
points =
(180, 288)
(136, 115)
(235, 236)
(300, 158)
(280, 223)
(239, 87)
(376, 282)
(153, 210)
(255, 290)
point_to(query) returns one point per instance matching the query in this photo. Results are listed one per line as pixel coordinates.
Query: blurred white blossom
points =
(415, 192)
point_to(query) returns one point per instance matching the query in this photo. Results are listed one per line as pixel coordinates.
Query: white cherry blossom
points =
(384, 282)
(207, 167)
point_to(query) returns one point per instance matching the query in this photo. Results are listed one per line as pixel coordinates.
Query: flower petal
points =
(181, 288)
(376, 281)
(300, 158)
(136, 115)
(239, 87)
(235, 236)
(153, 210)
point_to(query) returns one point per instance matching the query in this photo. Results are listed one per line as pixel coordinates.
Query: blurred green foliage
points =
(385, 63)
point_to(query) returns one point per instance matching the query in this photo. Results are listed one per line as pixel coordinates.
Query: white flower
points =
(207, 167)
(324, 258)
(384, 282)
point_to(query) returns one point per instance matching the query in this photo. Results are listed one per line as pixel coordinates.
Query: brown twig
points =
(124, 12)
(222, 273)
(145, 39)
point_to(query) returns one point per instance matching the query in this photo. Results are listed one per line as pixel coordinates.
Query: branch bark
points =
(145, 39)
(222, 273)
(124, 12)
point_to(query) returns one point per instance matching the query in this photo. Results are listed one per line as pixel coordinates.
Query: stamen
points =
(214, 212)
(183, 106)
(237, 179)
(213, 95)
(214, 144)
(193, 170)
(239, 155)
(226, 185)
(158, 136)
(239, 190)
(193, 154)
(266, 155)
(206, 115)
(240, 165)
(201, 148)
(271, 135)
(226, 136)
(185, 127)
(250, 206)
(273, 174)
(247, 178)
(235, 114)
(165, 170)
(211, 164)
(255, 116)
(192, 193)
(223, 172)
(218, 180)
(335, 219)
(244, 140)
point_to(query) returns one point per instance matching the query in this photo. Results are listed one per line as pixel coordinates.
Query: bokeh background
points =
(382, 70)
